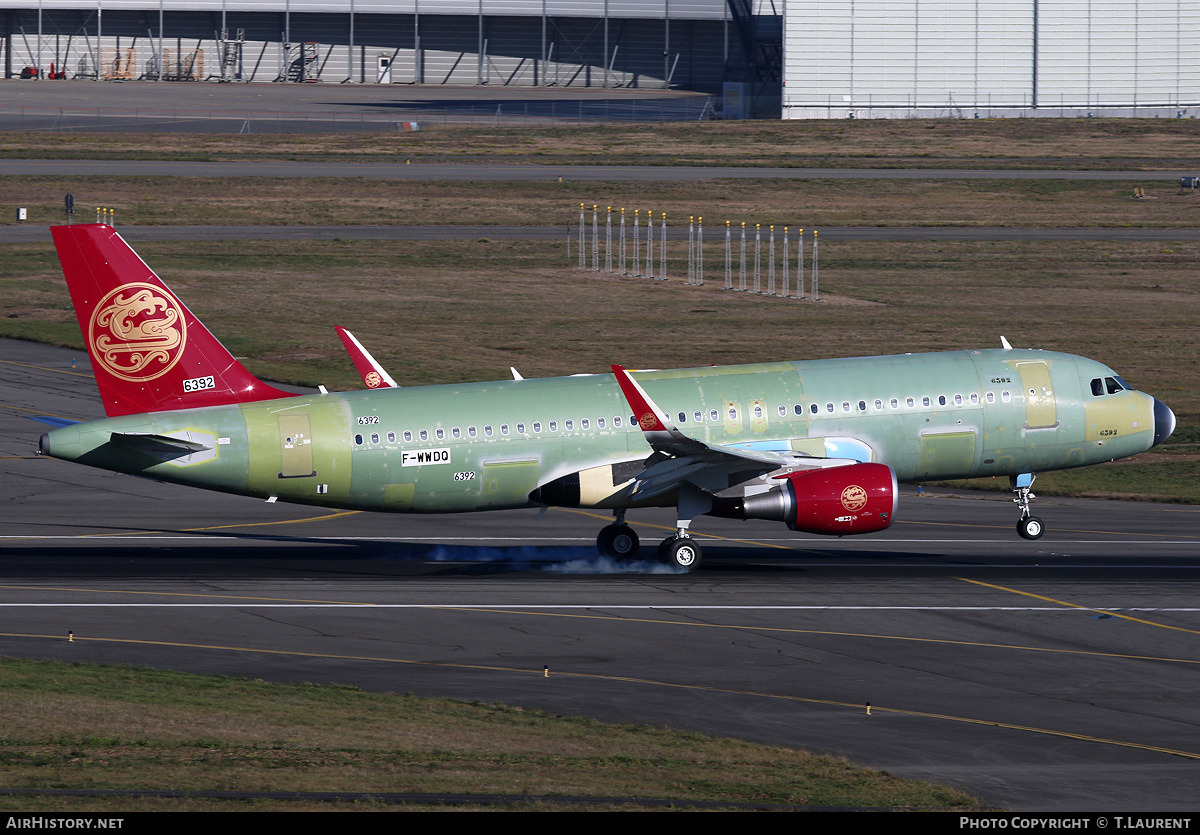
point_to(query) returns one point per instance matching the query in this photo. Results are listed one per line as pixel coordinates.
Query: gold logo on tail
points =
(373, 380)
(137, 332)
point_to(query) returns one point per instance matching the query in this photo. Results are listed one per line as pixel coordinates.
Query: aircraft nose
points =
(1164, 421)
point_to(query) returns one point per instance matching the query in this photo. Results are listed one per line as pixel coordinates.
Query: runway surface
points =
(1056, 675)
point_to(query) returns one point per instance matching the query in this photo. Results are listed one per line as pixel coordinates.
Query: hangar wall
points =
(689, 44)
(951, 58)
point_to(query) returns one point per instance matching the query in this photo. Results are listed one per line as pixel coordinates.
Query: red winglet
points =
(148, 351)
(373, 374)
(648, 416)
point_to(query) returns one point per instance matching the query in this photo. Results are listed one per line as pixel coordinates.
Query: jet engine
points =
(856, 498)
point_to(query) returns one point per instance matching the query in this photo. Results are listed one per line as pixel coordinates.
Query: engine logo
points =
(854, 497)
(137, 332)
(373, 380)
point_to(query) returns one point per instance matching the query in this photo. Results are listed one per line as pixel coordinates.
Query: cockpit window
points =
(1097, 387)
(1112, 385)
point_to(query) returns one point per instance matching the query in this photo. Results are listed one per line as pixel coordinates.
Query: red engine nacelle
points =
(856, 498)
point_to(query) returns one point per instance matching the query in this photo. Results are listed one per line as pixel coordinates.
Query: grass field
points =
(1042, 143)
(86, 726)
(167, 201)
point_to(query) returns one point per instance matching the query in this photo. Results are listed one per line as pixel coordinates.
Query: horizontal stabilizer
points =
(53, 421)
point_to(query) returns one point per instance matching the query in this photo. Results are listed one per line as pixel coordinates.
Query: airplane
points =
(819, 445)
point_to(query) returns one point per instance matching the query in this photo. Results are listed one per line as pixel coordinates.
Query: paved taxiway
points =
(1056, 675)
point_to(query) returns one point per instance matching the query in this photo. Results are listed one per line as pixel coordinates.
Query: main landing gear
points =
(1029, 526)
(620, 542)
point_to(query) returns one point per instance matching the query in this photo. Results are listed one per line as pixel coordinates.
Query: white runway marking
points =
(555, 606)
(433, 540)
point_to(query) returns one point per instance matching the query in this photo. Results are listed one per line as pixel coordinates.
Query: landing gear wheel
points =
(619, 542)
(1031, 527)
(680, 552)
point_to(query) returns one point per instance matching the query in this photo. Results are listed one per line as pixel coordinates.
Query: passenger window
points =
(456, 432)
(974, 398)
(698, 416)
(441, 434)
(783, 411)
(553, 426)
(958, 401)
(358, 439)
(407, 435)
(391, 437)
(862, 405)
(568, 425)
(829, 408)
(758, 411)
(585, 424)
(617, 420)
(375, 438)
(504, 429)
(798, 409)
(845, 405)
(941, 400)
(713, 415)
(925, 400)
(600, 422)
(683, 417)
(537, 426)
(879, 405)
(814, 408)
(909, 402)
(471, 431)
(487, 430)
(991, 397)
(895, 404)
(520, 429)
(424, 434)
(1005, 396)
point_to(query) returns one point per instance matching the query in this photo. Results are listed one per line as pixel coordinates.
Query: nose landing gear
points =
(1028, 526)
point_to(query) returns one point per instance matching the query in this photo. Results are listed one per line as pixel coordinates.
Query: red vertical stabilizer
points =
(148, 351)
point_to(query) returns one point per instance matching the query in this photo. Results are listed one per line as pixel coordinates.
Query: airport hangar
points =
(804, 58)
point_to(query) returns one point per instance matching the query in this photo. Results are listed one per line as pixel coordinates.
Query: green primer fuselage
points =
(489, 445)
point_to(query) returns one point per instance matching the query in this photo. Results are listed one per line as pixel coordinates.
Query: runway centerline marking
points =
(794, 631)
(45, 368)
(1077, 606)
(222, 527)
(281, 600)
(539, 673)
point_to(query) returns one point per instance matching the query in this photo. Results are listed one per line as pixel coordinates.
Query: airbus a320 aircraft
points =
(819, 445)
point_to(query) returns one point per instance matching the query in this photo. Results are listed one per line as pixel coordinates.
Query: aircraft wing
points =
(679, 458)
(372, 373)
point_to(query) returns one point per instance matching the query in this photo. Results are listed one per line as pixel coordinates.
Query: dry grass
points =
(1016, 143)
(103, 727)
(810, 204)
